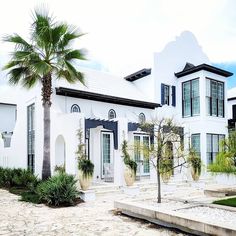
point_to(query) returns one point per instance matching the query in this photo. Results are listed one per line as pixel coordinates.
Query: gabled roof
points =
(190, 68)
(138, 75)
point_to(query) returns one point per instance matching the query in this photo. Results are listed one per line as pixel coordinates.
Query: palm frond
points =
(19, 42)
(75, 54)
(16, 74)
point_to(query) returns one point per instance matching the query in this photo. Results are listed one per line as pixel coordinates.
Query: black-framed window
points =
(213, 146)
(75, 108)
(196, 143)
(215, 98)
(141, 118)
(111, 114)
(190, 98)
(165, 94)
(31, 137)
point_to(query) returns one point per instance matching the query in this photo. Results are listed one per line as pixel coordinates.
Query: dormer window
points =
(111, 114)
(75, 108)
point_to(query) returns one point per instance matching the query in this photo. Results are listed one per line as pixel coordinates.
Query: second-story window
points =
(165, 94)
(191, 98)
(75, 108)
(214, 98)
(111, 114)
(141, 118)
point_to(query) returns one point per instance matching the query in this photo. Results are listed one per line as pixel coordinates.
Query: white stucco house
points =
(232, 109)
(181, 84)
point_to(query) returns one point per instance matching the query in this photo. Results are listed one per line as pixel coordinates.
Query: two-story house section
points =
(203, 107)
(231, 109)
(192, 92)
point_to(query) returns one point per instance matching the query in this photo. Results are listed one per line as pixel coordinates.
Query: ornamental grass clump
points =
(59, 190)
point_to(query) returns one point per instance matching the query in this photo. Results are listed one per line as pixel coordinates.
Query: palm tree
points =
(47, 54)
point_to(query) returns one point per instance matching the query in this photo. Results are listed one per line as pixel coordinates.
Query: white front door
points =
(107, 155)
(141, 143)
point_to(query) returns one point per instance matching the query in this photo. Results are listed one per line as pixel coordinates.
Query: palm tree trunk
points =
(46, 171)
(46, 97)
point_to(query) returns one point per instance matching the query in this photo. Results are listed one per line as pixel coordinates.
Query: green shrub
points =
(16, 178)
(87, 167)
(58, 190)
(222, 164)
(28, 196)
(6, 177)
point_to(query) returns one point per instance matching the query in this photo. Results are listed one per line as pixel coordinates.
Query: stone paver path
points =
(95, 218)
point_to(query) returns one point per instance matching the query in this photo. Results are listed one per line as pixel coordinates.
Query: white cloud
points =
(123, 34)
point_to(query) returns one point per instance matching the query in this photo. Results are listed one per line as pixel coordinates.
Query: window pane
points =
(187, 99)
(209, 146)
(215, 143)
(195, 141)
(214, 106)
(214, 89)
(220, 108)
(195, 88)
(196, 106)
(208, 87)
(220, 91)
(186, 88)
(166, 94)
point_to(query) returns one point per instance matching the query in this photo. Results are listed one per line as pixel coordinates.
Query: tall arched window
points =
(75, 108)
(111, 114)
(141, 118)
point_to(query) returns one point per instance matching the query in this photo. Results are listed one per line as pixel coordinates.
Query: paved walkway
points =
(97, 218)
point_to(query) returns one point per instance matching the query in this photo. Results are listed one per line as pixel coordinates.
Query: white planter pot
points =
(85, 182)
(129, 176)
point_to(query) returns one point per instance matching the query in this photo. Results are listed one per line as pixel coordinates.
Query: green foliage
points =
(223, 164)
(48, 52)
(127, 159)
(28, 196)
(195, 162)
(16, 178)
(84, 164)
(166, 165)
(60, 168)
(226, 202)
(58, 190)
(87, 167)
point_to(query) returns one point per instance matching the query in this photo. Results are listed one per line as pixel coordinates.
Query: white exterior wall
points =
(64, 124)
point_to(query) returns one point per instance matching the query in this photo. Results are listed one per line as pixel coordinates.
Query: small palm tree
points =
(48, 54)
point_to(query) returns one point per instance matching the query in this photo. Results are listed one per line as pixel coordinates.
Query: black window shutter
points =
(162, 93)
(173, 96)
(234, 111)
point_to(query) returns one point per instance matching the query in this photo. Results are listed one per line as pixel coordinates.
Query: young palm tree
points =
(48, 54)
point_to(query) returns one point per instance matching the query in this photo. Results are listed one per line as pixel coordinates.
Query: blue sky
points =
(229, 67)
(123, 35)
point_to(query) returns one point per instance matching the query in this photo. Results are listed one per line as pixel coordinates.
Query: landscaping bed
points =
(58, 191)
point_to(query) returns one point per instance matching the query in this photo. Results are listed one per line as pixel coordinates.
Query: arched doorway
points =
(60, 152)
